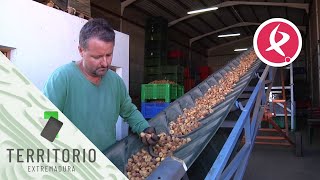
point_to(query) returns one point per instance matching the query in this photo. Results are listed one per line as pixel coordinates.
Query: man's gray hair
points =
(96, 28)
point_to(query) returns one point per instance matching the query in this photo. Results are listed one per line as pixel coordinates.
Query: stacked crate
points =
(156, 97)
(176, 57)
(189, 81)
(155, 58)
(155, 47)
(204, 72)
(172, 73)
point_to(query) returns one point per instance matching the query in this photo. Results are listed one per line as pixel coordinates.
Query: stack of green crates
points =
(156, 42)
(155, 97)
(172, 73)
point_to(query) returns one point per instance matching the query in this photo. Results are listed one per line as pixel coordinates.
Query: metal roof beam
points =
(241, 24)
(304, 6)
(228, 43)
(126, 3)
(217, 17)
(238, 16)
(301, 28)
(160, 6)
(200, 18)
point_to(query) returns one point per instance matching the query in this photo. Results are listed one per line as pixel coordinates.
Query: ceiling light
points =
(229, 35)
(243, 49)
(203, 10)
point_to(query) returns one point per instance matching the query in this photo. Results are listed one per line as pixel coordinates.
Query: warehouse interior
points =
(209, 50)
(160, 45)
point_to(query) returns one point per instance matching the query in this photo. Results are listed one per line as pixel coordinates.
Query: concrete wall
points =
(217, 62)
(44, 38)
(197, 60)
(227, 48)
(221, 55)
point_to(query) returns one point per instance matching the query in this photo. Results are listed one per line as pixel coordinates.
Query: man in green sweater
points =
(91, 95)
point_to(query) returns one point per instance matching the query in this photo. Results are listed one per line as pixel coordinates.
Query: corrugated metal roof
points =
(230, 16)
(294, 13)
(174, 7)
(154, 10)
(212, 2)
(187, 29)
(297, 1)
(193, 4)
(210, 21)
(248, 14)
(199, 24)
(208, 41)
(278, 12)
(262, 13)
(244, 31)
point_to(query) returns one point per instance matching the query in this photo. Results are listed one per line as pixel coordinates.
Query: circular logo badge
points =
(277, 42)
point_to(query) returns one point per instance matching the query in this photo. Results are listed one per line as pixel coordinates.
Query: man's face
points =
(97, 56)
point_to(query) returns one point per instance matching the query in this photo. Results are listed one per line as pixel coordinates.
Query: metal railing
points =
(249, 120)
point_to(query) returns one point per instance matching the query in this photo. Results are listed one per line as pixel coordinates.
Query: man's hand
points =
(149, 136)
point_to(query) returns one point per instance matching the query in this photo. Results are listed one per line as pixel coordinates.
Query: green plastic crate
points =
(154, 53)
(172, 70)
(178, 78)
(174, 91)
(166, 92)
(156, 28)
(151, 77)
(157, 36)
(165, 70)
(154, 61)
(155, 44)
(152, 70)
(180, 90)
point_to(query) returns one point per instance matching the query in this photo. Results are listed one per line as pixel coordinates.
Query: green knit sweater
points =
(94, 109)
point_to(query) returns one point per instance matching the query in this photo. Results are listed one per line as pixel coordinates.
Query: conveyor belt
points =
(121, 151)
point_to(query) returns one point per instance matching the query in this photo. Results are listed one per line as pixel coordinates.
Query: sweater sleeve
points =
(55, 89)
(130, 113)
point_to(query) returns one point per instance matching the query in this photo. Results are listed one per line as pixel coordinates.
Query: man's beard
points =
(101, 71)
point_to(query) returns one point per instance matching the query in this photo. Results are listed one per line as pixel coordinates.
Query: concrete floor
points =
(280, 163)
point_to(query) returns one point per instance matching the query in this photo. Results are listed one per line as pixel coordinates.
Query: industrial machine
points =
(214, 152)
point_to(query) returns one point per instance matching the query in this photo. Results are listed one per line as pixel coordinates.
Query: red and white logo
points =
(277, 42)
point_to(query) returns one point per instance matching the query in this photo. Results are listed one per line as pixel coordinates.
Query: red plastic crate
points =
(188, 84)
(204, 70)
(175, 54)
(186, 72)
(203, 77)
